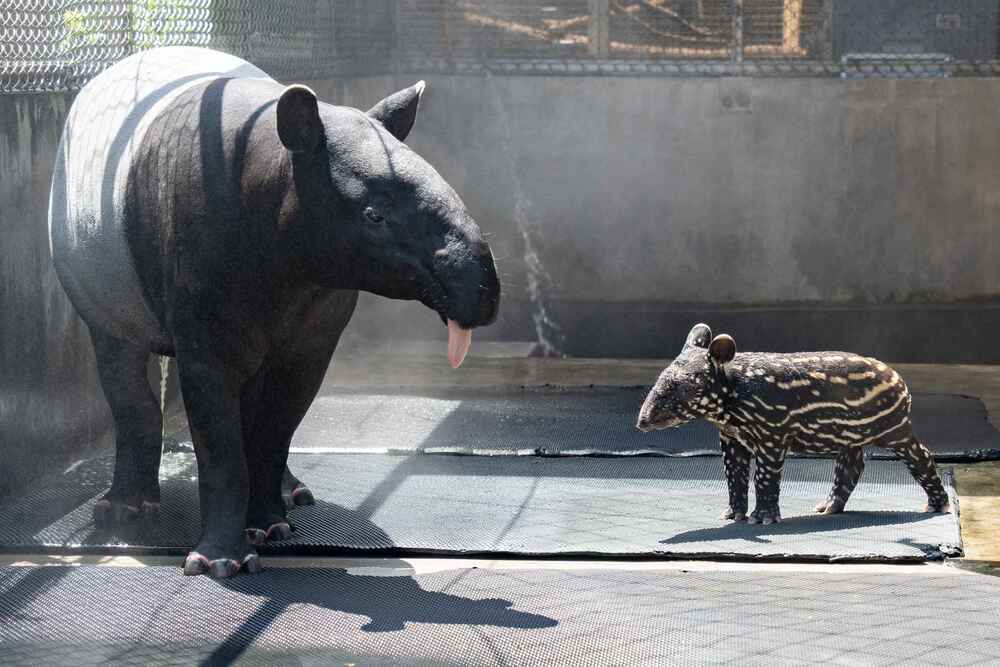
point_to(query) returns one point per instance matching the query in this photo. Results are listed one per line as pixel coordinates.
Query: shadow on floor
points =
(390, 602)
(797, 525)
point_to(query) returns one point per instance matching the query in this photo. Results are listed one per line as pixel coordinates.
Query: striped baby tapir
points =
(766, 405)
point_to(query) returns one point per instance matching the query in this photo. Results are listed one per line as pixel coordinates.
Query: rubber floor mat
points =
(155, 616)
(572, 421)
(626, 506)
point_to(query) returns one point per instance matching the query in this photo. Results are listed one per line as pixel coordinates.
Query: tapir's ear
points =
(398, 111)
(700, 336)
(722, 349)
(299, 126)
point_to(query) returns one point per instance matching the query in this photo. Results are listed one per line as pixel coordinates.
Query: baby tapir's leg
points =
(921, 464)
(737, 460)
(847, 470)
(767, 482)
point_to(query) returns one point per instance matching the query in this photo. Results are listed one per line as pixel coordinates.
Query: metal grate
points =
(60, 44)
(526, 615)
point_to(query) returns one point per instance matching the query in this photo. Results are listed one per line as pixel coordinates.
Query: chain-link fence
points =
(60, 44)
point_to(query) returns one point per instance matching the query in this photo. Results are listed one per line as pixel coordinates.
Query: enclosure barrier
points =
(57, 45)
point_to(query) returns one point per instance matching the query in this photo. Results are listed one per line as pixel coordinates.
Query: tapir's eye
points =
(373, 216)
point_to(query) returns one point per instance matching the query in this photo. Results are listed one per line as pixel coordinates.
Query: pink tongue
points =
(459, 341)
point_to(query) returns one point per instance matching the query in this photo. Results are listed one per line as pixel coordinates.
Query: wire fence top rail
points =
(52, 45)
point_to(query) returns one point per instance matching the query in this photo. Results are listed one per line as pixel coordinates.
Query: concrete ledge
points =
(939, 334)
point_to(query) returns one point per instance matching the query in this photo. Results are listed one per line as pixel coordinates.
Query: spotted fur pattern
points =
(767, 405)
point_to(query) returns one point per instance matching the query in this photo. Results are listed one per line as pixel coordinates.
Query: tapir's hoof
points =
(765, 517)
(733, 515)
(278, 532)
(220, 568)
(938, 509)
(108, 513)
(302, 495)
(830, 507)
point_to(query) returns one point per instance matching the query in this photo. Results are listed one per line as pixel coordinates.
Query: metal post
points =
(826, 29)
(600, 24)
(397, 43)
(737, 54)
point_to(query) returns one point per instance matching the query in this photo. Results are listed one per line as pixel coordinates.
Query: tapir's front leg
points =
(767, 482)
(737, 460)
(847, 469)
(211, 398)
(273, 404)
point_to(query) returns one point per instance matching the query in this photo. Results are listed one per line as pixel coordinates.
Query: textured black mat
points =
(628, 506)
(156, 616)
(572, 421)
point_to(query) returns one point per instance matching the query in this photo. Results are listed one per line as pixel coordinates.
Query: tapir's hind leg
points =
(921, 464)
(847, 469)
(138, 430)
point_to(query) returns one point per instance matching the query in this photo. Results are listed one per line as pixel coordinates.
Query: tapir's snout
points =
(654, 416)
(647, 425)
(468, 289)
(470, 279)
(489, 288)
(645, 422)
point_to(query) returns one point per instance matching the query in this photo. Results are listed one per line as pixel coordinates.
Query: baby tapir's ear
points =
(398, 111)
(700, 336)
(299, 125)
(722, 349)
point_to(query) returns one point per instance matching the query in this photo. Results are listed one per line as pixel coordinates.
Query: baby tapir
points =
(766, 405)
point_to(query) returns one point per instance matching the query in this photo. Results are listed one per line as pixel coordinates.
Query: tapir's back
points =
(103, 130)
(823, 397)
(808, 377)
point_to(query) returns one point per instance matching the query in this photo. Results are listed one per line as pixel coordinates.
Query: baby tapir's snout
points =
(655, 413)
(691, 387)
(646, 419)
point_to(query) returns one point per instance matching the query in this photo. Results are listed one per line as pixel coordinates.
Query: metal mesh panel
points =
(60, 44)
(703, 37)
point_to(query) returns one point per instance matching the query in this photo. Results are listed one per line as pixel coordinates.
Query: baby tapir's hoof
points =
(831, 506)
(734, 515)
(220, 568)
(765, 516)
(944, 508)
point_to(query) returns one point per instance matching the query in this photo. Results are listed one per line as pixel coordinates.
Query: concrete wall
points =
(51, 408)
(794, 214)
(804, 212)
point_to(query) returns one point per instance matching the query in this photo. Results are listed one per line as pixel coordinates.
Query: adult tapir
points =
(201, 210)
